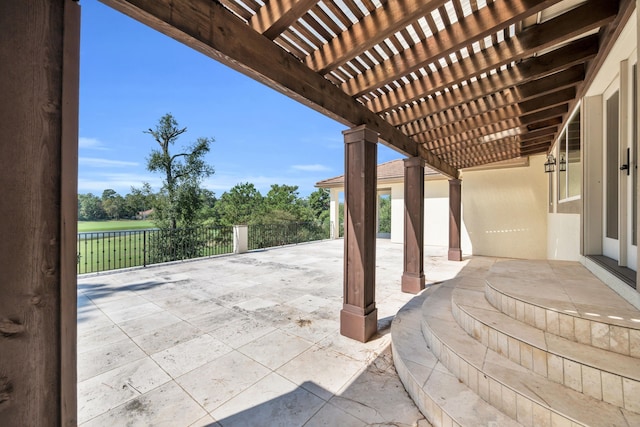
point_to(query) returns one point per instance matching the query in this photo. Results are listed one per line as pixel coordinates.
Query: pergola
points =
(449, 83)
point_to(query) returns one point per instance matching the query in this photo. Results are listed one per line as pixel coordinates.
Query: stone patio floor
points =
(242, 340)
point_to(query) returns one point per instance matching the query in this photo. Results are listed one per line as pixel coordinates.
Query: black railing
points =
(110, 250)
(103, 251)
(269, 235)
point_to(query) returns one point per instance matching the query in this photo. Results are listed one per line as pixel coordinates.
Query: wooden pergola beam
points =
(455, 152)
(475, 114)
(277, 15)
(209, 28)
(484, 22)
(478, 135)
(577, 52)
(591, 15)
(368, 32)
(503, 121)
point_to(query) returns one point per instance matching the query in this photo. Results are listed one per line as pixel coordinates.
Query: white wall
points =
(436, 213)
(563, 236)
(397, 212)
(505, 210)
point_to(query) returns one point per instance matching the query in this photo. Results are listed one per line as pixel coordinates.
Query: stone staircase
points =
(533, 343)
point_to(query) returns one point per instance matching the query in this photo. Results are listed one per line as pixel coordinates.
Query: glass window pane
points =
(574, 167)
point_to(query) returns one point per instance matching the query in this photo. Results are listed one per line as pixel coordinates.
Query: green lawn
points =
(112, 249)
(84, 226)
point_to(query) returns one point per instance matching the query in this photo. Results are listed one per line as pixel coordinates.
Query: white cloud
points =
(311, 168)
(90, 143)
(95, 162)
(121, 182)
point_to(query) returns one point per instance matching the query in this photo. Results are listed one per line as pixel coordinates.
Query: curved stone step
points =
(601, 374)
(523, 395)
(440, 396)
(565, 299)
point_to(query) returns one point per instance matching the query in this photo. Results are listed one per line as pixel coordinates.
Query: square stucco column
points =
(359, 316)
(455, 202)
(413, 276)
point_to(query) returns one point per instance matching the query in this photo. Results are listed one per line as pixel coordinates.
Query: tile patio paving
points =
(244, 340)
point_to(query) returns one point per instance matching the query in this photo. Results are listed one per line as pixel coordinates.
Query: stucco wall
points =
(563, 234)
(436, 213)
(505, 210)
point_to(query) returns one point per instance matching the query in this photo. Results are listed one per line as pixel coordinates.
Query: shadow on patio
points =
(251, 339)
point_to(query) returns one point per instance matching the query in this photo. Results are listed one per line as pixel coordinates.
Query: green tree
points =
(319, 202)
(90, 208)
(239, 205)
(139, 200)
(113, 203)
(384, 214)
(182, 173)
(282, 204)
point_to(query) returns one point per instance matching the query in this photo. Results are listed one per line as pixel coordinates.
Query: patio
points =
(249, 339)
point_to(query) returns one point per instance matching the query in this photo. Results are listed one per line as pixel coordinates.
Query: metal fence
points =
(110, 250)
(103, 251)
(269, 235)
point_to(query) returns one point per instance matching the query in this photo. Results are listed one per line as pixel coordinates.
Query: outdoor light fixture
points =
(563, 163)
(550, 164)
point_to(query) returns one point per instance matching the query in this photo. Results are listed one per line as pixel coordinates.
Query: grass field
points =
(85, 226)
(116, 248)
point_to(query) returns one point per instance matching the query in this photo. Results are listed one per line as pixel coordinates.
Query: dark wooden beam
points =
(39, 65)
(591, 15)
(608, 36)
(368, 32)
(475, 114)
(209, 28)
(577, 52)
(469, 29)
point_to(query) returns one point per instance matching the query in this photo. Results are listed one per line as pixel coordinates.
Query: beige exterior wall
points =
(397, 212)
(505, 210)
(563, 235)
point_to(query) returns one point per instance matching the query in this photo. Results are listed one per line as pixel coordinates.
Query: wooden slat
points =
(369, 32)
(608, 37)
(483, 23)
(571, 24)
(449, 152)
(209, 28)
(573, 53)
(472, 115)
(496, 121)
(277, 15)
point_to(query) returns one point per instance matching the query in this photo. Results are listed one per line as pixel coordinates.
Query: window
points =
(569, 164)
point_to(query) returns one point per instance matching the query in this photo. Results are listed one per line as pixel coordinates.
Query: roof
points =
(387, 172)
(460, 83)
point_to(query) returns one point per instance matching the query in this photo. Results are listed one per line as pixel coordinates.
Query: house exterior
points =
(498, 217)
(455, 85)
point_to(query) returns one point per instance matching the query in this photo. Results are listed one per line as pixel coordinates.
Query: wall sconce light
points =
(550, 164)
(563, 163)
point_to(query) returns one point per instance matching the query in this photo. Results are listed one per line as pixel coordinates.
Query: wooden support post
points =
(413, 276)
(39, 65)
(359, 316)
(455, 202)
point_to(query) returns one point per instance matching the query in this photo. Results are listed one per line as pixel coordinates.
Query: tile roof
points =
(389, 171)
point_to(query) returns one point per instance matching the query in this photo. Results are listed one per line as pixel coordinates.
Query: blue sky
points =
(131, 75)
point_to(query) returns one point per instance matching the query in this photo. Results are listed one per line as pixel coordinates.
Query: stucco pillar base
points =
(412, 284)
(356, 325)
(455, 254)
